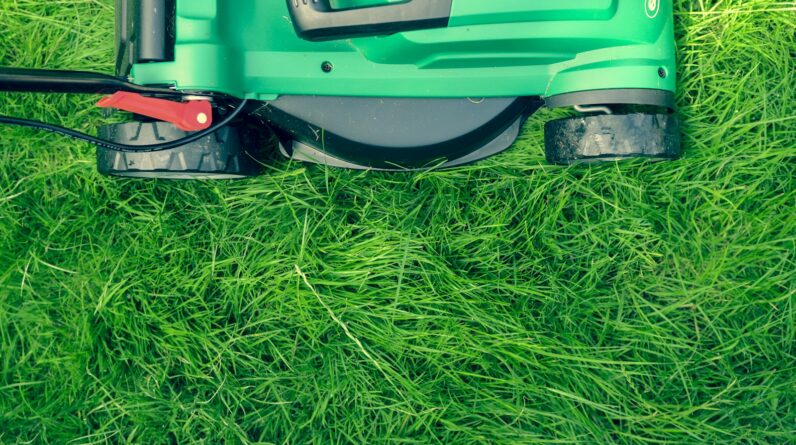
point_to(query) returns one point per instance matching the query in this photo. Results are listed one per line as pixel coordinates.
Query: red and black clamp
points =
(194, 115)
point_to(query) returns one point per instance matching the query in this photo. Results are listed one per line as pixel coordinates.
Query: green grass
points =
(503, 303)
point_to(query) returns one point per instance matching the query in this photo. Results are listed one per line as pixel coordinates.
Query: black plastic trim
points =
(153, 26)
(316, 20)
(145, 32)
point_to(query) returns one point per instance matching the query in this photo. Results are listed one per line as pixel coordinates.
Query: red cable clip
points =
(194, 115)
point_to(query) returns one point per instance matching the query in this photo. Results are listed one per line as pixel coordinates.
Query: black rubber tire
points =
(230, 153)
(613, 137)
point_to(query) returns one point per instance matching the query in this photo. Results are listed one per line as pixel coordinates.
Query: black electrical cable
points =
(5, 120)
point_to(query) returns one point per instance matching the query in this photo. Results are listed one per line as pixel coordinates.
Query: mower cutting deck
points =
(375, 84)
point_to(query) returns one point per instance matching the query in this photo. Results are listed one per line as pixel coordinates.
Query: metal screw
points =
(662, 72)
(327, 67)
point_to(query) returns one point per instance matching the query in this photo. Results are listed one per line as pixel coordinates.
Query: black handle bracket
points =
(80, 82)
(316, 20)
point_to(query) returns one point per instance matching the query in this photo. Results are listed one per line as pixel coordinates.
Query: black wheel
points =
(230, 153)
(612, 137)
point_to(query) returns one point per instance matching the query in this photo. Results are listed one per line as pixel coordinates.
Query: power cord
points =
(63, 131)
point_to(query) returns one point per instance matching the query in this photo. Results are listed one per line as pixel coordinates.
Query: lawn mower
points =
(210, 85)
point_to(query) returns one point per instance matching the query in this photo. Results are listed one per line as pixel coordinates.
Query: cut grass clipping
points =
(507, 302)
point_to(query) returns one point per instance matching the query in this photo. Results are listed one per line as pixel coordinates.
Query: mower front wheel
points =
(612, 137)
(233, 152)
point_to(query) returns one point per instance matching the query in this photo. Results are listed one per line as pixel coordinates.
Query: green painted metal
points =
(248, 48)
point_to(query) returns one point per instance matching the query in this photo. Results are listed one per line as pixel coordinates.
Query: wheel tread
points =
(612, 137)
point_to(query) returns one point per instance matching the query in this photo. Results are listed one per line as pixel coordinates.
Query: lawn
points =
(508, 302)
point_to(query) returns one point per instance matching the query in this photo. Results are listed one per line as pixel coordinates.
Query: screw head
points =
(662, 72)
(327, 67)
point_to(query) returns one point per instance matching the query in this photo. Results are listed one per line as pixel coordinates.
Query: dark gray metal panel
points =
(307, 153)
(394, 122)
(388, 133)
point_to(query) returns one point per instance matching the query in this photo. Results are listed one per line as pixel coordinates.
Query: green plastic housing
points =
(491, 48)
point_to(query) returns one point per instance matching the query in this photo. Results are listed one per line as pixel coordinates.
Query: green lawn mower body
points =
(397, 84)
(501, 48)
